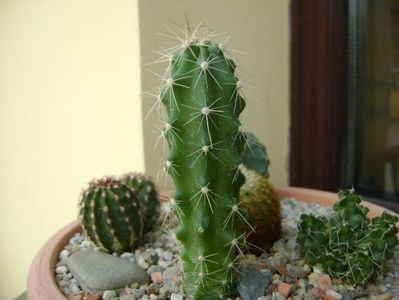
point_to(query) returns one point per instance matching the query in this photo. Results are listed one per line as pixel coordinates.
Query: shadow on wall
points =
(21, 297)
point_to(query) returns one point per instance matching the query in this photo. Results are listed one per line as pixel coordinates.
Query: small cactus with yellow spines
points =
(258, 198)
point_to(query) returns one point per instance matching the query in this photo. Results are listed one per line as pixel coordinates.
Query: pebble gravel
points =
(281, 272)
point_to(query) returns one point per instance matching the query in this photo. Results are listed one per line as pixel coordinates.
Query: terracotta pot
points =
(41, 281)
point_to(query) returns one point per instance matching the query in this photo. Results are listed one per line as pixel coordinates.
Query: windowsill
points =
(388, 205)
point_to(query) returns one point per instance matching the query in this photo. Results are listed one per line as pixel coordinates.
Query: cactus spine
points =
(201, 95)
(114, 214)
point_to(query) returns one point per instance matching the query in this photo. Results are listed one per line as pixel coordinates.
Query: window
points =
(372, 142)
(345, 96)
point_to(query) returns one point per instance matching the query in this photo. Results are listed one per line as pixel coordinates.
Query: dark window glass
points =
(377, 152)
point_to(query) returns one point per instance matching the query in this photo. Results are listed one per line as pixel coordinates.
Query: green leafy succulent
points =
(348, 245)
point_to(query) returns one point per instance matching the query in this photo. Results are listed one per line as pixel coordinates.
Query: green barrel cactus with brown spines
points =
(200, 93)
(348, 245)
(147, 194)
(258, 198)
(112, 214)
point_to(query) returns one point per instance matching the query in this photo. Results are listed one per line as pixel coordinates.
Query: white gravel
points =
(159, 255)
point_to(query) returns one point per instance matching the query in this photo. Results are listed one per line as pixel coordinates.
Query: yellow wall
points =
(69, 110)
(259, 28)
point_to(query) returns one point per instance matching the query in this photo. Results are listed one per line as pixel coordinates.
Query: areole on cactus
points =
(200, 93)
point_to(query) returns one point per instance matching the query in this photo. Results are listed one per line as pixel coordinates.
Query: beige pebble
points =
(144, 265)
(301, 283)
(157, 277)
(75, 297)
(316, 292)
(153, 297)
(314, 279)
(325, 282)
(91, 296)
(329, 297)
(284, 289)
(385, 296)
(276, 277)
(281, 269)
(334, 294)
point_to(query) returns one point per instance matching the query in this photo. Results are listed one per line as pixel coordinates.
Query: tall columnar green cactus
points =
(113, 214)
(201, 95)
(348, 245)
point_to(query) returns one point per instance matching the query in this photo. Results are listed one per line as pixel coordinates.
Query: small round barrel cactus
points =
(348, 245)
(145, 190)
(258, 198)
(262, 204)
(113, 214)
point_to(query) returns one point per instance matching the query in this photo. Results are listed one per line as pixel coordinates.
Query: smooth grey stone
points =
(97, 271)
(267, 275)
(252, 284)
